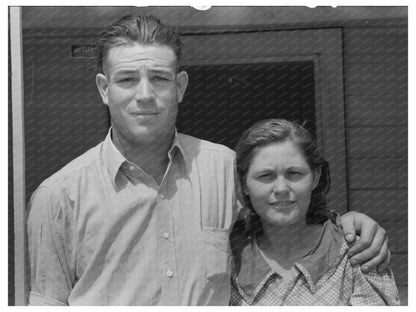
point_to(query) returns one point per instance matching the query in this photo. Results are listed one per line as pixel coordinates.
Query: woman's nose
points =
(280, 186)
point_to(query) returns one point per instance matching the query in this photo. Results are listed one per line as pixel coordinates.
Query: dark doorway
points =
(223, 100)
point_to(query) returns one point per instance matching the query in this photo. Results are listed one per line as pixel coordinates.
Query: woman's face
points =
(279, 183)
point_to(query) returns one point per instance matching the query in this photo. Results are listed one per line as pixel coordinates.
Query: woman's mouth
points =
(283, 204)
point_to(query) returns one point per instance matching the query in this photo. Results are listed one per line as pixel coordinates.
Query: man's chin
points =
(148, 135)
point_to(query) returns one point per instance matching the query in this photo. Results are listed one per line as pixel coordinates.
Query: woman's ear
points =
(245, 189)
(102, 85)
(316, 177)
(182, 83)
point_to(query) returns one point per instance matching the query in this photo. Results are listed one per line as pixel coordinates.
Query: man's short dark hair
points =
(140, 29)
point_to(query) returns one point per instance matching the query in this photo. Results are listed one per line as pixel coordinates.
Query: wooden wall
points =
(376, 83)
(375, 88)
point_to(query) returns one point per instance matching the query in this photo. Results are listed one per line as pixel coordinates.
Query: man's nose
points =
(144, 90)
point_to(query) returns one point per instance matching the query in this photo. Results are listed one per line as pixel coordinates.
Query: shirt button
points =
(131, 168)
(166, 235)
(169, 273)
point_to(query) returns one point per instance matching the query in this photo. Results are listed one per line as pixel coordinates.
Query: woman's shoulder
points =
(239, 240)
(239, 237)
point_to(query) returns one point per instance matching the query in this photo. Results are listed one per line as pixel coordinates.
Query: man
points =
(143, 218)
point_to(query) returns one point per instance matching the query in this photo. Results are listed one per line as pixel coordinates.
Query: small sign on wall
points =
(82, 51)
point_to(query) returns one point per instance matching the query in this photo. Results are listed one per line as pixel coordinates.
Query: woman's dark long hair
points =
(272, 131)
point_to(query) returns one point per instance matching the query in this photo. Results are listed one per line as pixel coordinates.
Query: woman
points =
(289, 250)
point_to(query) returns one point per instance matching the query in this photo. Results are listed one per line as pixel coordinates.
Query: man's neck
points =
(151, 156)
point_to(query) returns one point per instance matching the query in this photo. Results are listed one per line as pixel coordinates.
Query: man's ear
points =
(102, 85)
(181, 83)
(316, 177)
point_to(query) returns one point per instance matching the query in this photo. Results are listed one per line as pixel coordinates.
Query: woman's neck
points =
(288, 244)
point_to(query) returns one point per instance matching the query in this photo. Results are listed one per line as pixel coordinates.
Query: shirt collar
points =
(114, 160)
(112, 157)
(179, 145)
(324, 255)
(253, 271)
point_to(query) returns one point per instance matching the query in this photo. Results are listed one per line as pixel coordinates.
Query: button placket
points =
(166, 246)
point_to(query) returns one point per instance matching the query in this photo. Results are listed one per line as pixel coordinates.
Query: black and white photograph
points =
(208, 155)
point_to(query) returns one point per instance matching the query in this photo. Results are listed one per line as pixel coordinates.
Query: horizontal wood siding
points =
(376, 84)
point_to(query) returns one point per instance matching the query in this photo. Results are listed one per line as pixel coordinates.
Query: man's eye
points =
(127, 79)
(159, 78)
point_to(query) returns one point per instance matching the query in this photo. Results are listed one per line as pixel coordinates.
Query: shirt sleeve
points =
(374, 288)
(49, 245)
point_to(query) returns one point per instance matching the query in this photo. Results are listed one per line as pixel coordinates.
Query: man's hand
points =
(371, 250)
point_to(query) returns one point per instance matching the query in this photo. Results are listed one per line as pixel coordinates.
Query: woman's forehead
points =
(279, 153)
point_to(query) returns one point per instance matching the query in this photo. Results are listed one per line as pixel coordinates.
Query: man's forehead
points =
(140, 68)
(136, 56)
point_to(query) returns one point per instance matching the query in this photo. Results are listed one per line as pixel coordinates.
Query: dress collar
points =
(252, 271)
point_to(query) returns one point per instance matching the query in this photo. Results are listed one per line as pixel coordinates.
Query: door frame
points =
(324, 48)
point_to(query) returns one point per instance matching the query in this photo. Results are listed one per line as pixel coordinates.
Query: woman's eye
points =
(294, 174)
(265, 176)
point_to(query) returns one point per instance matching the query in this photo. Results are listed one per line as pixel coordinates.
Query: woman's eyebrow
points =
(261, 169)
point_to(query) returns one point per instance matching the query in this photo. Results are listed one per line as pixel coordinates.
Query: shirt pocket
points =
(217, 255)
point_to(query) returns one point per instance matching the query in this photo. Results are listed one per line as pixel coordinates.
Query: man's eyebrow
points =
(168, 71)
(125, 71)
(162, 71)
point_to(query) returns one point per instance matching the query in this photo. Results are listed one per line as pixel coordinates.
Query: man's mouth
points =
(145, 113)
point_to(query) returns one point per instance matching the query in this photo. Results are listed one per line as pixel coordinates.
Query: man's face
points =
(142, 90)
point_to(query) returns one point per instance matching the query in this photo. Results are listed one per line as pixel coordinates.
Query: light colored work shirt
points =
(102, 232)
(324, 277)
